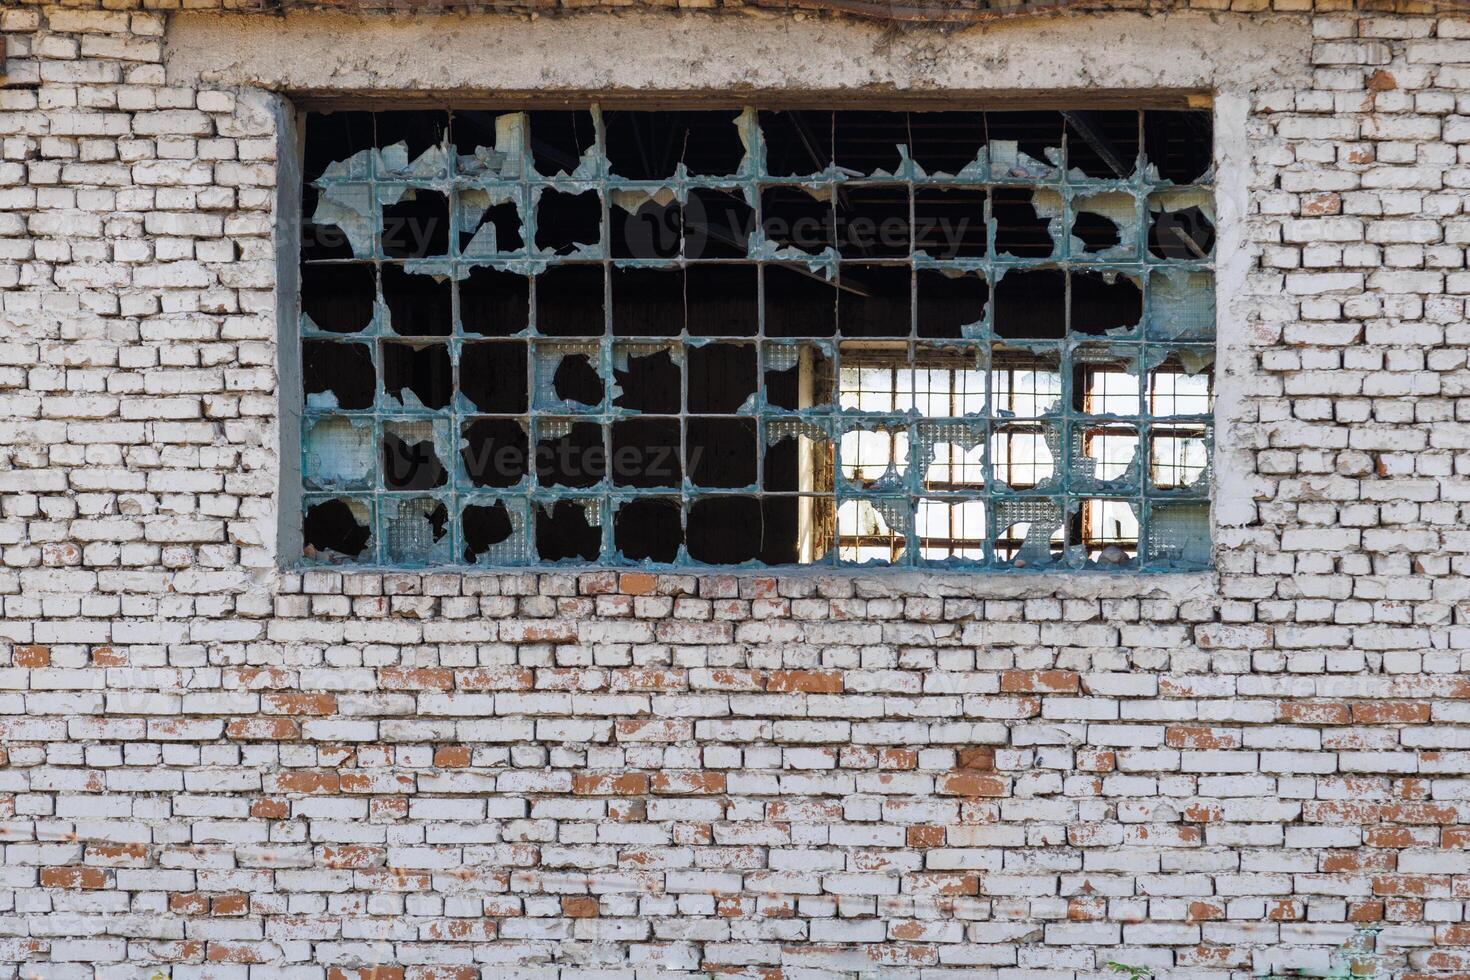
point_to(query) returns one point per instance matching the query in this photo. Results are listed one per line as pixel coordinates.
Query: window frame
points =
(602, 563)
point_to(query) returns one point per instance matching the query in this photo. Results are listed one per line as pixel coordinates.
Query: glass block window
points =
(751, 337)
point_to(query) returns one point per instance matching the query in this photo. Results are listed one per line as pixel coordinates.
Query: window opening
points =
(758, 337)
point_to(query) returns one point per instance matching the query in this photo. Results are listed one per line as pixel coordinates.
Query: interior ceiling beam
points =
(1085, 125)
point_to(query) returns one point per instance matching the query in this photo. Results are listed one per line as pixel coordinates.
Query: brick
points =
(627, 784)
(978, 757)
(195, 903)
(1390, 712)
(579, 907)
(299, 704)
(677, 783)
(304, 781)
(1039, 682)
(973, 784)
(637, 583)
(805, 681)
(365, 973)
(270, 809)
(452, 756)
(262, 729)
(31, 656)
(828, 771)
(74, 878)
(415, 679)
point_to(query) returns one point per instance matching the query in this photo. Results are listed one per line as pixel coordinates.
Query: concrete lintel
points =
(737, 59)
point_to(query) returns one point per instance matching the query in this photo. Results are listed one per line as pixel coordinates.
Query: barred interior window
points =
(757, 337)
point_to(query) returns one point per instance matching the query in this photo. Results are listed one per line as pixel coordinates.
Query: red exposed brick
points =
(78, 878)
(222, 952)
(387, 809)
(1319, 204)
(973, 784)
(462, 930)
(354, 856)
(31, 656)
(626, 784)
(269, 809)
(945, 883)
(1357, 860)
(304, 781)
(1365, 912)
(376, 781)
(496, 679)
(1202, 911)
(117, 855)
(901, 759)
(980, 758)
(191, 903)
(1284, 910)
(1403, 910)
(298, 704)
(1080, 909)
(637, 583)
(925, 836)
(229, 905)
(263, 729)
(108, 657)
(1390, 712)
(579, 906)
(1381, 81)
(1040, 682)
(724, 679)
(805, 681)
(1200, 737)
(365, 973)
(1314, 712)
(1393, 836)
(452, 756)
(1411, 886)
(539, 632)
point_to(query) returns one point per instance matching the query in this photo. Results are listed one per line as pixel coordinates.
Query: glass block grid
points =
(758, 337)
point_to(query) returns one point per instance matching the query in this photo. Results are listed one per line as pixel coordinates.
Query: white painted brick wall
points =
(215, 769)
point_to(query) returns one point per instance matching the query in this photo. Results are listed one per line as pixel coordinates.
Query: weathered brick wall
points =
(209, 763)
